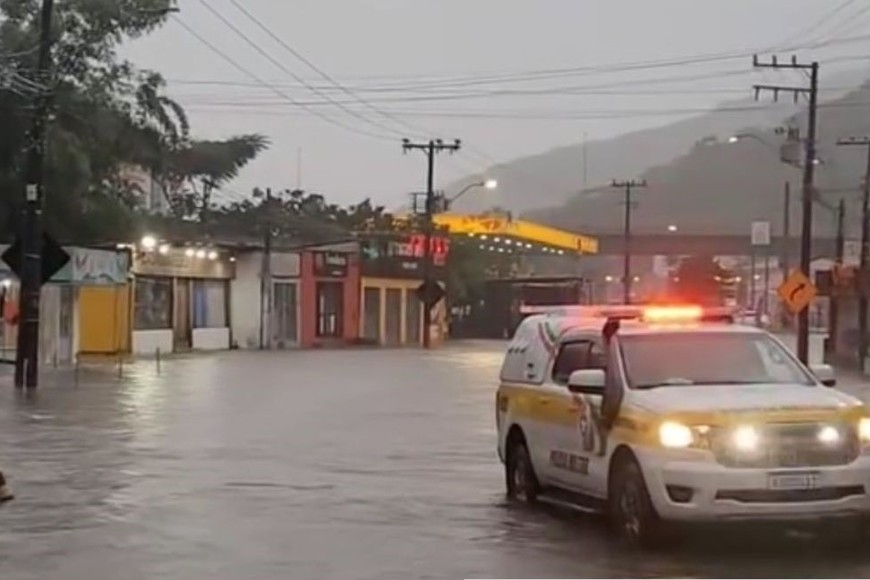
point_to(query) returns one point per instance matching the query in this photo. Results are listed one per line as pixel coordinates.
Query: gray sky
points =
(403, 57)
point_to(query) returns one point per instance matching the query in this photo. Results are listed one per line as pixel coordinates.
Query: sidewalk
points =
(849, 379)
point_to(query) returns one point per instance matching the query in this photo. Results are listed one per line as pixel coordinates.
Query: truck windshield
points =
(708, 358)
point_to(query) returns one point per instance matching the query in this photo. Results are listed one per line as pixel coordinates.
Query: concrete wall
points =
(148, 342)
(245, 301)
(211, 338)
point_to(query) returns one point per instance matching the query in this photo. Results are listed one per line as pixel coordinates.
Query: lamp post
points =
(489, 184)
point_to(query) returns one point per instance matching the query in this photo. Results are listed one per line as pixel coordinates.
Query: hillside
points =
(721, 187)
(693, 186)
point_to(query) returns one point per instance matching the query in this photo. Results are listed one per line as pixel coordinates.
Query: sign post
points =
(797, 292)
(760, 238)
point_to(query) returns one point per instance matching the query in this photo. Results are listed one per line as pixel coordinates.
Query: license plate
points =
(793, 481)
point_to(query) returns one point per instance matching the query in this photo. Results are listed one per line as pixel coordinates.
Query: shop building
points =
(392, 270)
(297, 298)
(181, 299)
(83, 308)
(264, 317)
(330, 291)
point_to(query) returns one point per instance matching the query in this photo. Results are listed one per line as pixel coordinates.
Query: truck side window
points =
(597, 357)
(572, 356)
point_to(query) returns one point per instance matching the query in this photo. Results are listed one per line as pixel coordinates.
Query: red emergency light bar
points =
(685, 313)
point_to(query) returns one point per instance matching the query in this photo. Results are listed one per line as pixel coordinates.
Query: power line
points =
(317, 69)
(284, 68)
(406, 84)
(803, 33)
(584, 115)
(275, 90)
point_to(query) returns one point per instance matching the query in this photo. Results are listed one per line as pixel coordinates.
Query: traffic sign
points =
(430, 293)
(54, 257)
(797, 292)
(760, 233)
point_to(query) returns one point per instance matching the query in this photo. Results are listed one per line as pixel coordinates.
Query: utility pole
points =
(808, 175)
(266, 276)
(207, 187)
(628, 186)
(431, 149)
(834, 314)
(27, 354)
(786, 229)
(865, 249)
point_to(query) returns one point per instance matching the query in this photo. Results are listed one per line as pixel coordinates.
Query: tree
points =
(107, 116)
(105, 113)
(190, 172)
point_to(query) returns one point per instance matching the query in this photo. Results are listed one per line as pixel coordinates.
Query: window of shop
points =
(330, 301)
(209, 304)
(153, 303)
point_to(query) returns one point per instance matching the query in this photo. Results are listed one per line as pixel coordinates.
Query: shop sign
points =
(403, 257)
(96, 267)
(330, 264)
(177, 264)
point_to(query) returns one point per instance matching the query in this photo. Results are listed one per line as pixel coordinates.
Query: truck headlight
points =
(678, 436)
(864, 430)
(745, 438)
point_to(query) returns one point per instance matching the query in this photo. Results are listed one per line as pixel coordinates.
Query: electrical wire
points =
(317, 69)
(289, 72)
(806, 32)
(275, 90)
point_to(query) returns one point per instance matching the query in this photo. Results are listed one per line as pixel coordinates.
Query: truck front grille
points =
(787, 445)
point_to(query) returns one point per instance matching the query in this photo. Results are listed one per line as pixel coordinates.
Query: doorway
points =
(285, 313)
(394, 317)
(65, 324)
(182, 328)
(330, 309)
(372, 314)
(413, 321)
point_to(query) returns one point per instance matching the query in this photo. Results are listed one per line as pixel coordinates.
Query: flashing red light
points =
(686, 313)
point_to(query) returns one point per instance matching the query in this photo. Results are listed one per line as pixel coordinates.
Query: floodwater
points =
(359, 464)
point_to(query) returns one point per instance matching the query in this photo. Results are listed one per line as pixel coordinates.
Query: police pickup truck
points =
(676, 414)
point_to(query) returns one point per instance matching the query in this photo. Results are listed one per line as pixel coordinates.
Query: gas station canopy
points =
(501, 233)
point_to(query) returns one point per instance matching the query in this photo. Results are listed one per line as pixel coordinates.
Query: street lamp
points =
(148, 242)
(489, 184)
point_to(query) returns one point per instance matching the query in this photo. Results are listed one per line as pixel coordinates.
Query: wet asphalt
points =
(357, 464)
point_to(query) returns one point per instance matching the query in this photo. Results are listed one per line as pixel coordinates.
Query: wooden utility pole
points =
(628, 186)
(266, 275)
(27, 352)
(865, 248)
(431, 148)
(808, 175)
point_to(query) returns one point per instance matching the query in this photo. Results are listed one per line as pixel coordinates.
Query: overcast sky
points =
(450, 68)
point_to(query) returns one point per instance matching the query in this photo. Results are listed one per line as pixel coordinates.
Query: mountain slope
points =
(555, 177)
(721, 187)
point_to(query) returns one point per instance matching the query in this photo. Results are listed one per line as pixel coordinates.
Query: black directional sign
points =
(430, 293)
(54, 257)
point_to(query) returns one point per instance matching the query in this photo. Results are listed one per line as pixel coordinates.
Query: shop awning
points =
(504, 232)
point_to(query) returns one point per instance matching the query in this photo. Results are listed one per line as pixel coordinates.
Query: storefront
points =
(181, 300)
(330, 282)
(262, 317)
(392, 270)
(83, 308)
(101, 279)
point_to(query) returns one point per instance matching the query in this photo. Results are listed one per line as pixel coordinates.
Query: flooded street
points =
(360, 464)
